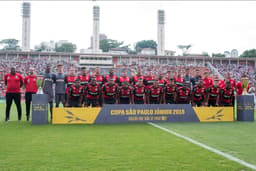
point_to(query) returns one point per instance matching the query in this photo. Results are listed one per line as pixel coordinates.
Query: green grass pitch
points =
(24, 146)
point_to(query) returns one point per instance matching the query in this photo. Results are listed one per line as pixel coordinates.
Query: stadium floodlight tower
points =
(25, 26)
(96, 29)
(160, 33)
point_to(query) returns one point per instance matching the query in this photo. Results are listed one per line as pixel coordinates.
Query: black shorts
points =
(109, 101)
(212, 103)
(182, 102)
(93, 102)
(225, 104)
(154, 101)
(124, 101)
(198, 103)
(60, 98)
(169, 101)
(73, 103)
(138, 101)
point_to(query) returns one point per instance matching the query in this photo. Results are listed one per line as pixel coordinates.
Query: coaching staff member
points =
(13, 82)
(31, 88)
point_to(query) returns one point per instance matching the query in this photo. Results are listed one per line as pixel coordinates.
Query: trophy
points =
(244, 81)
(39, 85)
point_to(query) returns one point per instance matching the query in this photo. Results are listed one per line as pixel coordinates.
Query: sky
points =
(210, 26)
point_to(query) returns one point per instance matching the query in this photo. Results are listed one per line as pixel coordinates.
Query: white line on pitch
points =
(228, 156)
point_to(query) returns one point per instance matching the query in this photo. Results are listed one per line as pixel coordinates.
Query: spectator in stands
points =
(13, 82)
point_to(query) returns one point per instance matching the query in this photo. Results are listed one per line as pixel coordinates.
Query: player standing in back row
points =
(60, 86)
(48, 81)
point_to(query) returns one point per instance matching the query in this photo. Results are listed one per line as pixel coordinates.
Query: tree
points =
(41, 47)
(10, 45)
(205, 54)
(185, 49)
(107, 44)
(145, 44)
(65, 47)
(218, 55)
(249, 53)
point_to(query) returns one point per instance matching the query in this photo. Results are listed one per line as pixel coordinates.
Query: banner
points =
(141, 113)
(245, 108)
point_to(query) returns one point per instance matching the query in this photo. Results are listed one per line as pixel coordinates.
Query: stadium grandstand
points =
(216, 66)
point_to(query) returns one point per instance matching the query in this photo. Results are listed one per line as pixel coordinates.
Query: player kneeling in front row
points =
(92, 93)
(226, 95)
(109, 92)
(155, 93)
(170, 91)
(75, 94)
(183, 94)
(139, 92)
(199, 94)
(213, 93)
(124, 94)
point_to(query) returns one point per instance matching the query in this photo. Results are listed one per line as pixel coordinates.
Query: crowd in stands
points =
(22, 65)
(237, 71)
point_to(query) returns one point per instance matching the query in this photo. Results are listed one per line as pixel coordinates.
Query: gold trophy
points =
(39, 84)
(244, 81)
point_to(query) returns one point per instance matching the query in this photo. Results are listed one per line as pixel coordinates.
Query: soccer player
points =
(76, 92)
(84, 77)
(124, 94)
(149, 79)
(207, 82)
(178, 79)
(226, 95)
(99, 78)
(124, 78)
(170, 91)
(138, 92)
(109, 91)
(70, 79)
(154, 93)
(48, 81)
(31, 88)
(183, 94)
(199, 94)
(229, 79)
(137, 76)
(111, 75)
(13, 82)
(60, 86)
(196, 78)
(161, 81)
(188, 79)
(84, 80)
(213, 93)
(92, 93)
